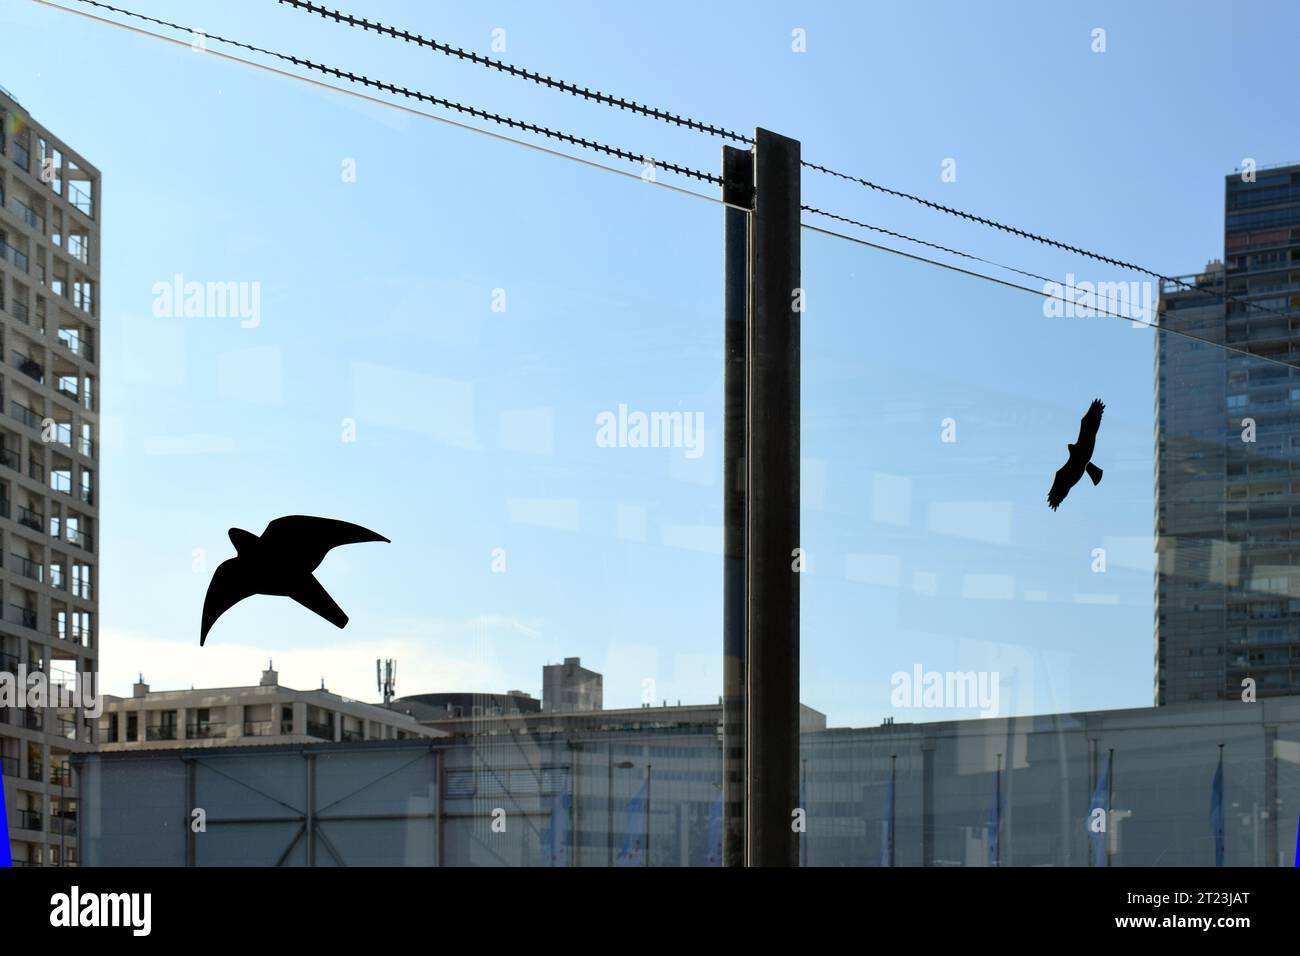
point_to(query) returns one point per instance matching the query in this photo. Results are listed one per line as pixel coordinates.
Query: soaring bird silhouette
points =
(281, 562)
(1068, 475)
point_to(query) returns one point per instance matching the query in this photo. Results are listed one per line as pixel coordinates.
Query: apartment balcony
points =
(36, 469)
(322, 731)
(25, 415)
(22, 616)
(267, 728)
(29, 367)
(63, 824)
(351, 736)
(87, 495)
(205, 731)
(8, 663)
(29, 820)
(22, 157)
(19, 311)
(80, 200)
(9, 767)
(30, 519)
(160, 733)
(29, 215)
(17, 259)
(61, 776)
(35, 772)
(26, 567)
(32, 721)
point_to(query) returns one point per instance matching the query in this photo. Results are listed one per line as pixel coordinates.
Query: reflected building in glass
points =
(1227, 601)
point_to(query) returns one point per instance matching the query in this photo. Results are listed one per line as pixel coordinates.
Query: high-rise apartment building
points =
(1228, 456)
(49, 449)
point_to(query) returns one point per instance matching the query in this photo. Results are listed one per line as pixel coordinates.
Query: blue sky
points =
(475, 429)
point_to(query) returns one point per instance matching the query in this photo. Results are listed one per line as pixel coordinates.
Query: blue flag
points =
(1216, 812)
(633, 852)
(555, 840)
(714, 844)
(6, 858)
(1100, 801)
(887, 827)
(995, 819)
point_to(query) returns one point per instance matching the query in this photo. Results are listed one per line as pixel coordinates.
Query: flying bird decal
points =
(1080, 461)
(281, 562)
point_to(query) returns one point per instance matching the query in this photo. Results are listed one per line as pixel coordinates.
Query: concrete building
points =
(571, 687)
(1228, 457)
(262, 715)
(50, 212)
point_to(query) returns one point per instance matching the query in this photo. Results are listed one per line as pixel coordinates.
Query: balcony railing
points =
(30, 215)
(351, 736)
(35, 469)
(160, 733)
(35, 771)
(32, 721)
(19, 310)
(22, 156)
(87, 495)
(63, 824)
(9, 766)
(204, 730)
(29, 366)
(25, 415)
(18, 259)
(29, 820)
(26, 567)
(9, 458)
(29, 518)
(61, 776)
(66, 728)
(323, 731)
(267, 728)
(80, 200)
(23, 616)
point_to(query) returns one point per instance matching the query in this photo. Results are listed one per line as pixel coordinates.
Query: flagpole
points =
(893, 798)
(1110, 793)
(997, 804)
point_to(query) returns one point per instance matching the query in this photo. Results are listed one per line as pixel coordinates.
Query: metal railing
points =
(26, 567)
(204, 730)
(323, 731)
(29, 518)
(80, 200)
(160, 733)
(19, 310)
(30, 215)
(29, 366)
(29, 820)
(9, 766)
(9, 458)
(23, 616)
(24, 415)
(16, 258)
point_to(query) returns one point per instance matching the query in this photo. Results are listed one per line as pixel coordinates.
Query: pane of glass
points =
(994, 656)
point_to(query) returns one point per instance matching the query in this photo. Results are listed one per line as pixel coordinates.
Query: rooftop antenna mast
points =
(386, 677)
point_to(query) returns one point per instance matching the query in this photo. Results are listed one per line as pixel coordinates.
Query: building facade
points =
(261, 715)
(1228, 457)
(50, 213)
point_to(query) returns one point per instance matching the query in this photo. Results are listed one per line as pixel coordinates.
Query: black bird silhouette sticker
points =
(1068, 475)
(281, 562)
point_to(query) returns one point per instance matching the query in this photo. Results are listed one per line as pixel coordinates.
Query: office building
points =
(1227, 440)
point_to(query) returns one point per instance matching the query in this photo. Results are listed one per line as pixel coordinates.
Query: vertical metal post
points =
(191, 800)
(737, 191)
(311, 809)
(772, 513)
(1272, 804)
(927, 801)
(647, 815)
